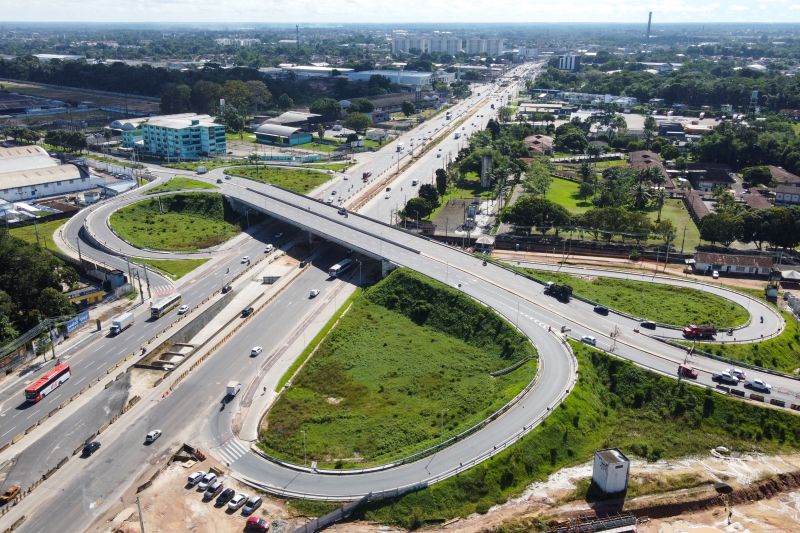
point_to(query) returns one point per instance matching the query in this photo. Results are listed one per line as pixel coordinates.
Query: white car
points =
(313, 293)
(329, 200)
(759, 385)
(268, 248)
(737, 373)
(245, 259)
(256, 350)
(725, 377)
(207, 480)
(195, 478)
(152, 436)
(182, 309)
(237, 501)
(715, 274)
(588, 339)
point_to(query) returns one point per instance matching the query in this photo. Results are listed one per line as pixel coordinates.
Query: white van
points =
(588, 339)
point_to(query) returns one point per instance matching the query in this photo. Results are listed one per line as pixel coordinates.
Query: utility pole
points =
(684, 239)
(141, 519)
(147, 280)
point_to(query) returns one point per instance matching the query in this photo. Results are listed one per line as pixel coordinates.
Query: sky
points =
(401, 11)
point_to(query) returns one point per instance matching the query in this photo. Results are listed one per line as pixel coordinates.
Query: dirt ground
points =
(169, 506)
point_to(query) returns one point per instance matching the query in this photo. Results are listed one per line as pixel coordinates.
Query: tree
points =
(570, 139)
(759, 175)
(755, 227)
(205, 96)
(284, 102)
(259, 97)
(720, 227)
(175, 98)
(232, 119)
(417, 208)
(429, 193)
(237, 94)
(320, 131)
(537, 178)
(504, 114)
(362, 105)
(588, 180)
(357, 121)
(53, 303)
(327, 107)
(532, 211)
(408, 108)
(650, 126)
(664, 229)
(441, 181)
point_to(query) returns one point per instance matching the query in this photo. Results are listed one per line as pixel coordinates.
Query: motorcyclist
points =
(762, 319)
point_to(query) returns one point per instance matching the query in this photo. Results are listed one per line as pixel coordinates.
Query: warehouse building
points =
(278, 135)
(28, 172)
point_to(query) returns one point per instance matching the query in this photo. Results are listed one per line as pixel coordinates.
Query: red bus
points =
(49, 381)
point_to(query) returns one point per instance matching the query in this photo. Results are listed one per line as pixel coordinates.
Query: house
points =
(756, 200)
(642, 159)
(783, 177)
(706, 262)
(539, 145)
(276, 134)
(706, 176)
(787, 195)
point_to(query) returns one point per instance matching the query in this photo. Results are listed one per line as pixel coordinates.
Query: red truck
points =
(699, 332)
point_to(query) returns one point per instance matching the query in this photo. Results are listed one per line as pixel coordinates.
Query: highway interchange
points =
(123, 458)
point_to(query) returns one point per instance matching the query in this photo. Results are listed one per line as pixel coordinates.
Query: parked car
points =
(219, 180)
(715, 274)
(182, 309)
(256, 350)
(195, 478)
(252, 504)
(206, 480)
(601, 310)
(313, 293)
(268, 248)
(588, 339)
(342, 211)
(152, 436)
(725, 377)
(255, 523)
(759, 385)
(212, 490)
(387, 196)
(247, 311)
(90, 448)
(237, 501)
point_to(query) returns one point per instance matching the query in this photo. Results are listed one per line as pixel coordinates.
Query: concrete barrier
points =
(737, 392)
(779, 403)
(756, 397)
(795, 407)
(723, 388)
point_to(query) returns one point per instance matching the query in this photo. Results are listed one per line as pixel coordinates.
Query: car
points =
(647, 324)
(388, 196)
(687, 371)
(255, 523)
(601, 310)
(237, 501)
(9, 494)
(90, 448)
(313, 293)
(725, 377)
(304, 262)
(182, 309)
(247, 311)
(759, 385)
(438, 154)
(245, 259)
(219, 180)
(152, 436)
(212, 490)
(252, 504)
(268, 248)
(388, 189)
(329, 200)
(342, 211)
(256, 350)
(226, 289)
(227, 177)
(279, 235)
(715, 274)
(737, 373)
(206, 481)
(195, 478)
(588, 339)
(333, 193)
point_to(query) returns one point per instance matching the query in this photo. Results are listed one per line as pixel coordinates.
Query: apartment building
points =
(187, 137)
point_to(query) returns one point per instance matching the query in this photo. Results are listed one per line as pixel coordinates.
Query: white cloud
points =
(400, 11)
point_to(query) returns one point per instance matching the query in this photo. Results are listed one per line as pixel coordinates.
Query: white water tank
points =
(610, 470)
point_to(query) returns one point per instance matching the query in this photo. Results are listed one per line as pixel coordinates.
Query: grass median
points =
(409, 365)
(614, 404)
(298, 180)
(173, 268)
(660, 303)
(180, 183)
(179, 223)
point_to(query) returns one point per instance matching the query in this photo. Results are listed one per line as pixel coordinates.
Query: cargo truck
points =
(121, 323)
(233, 388)
(699, 332)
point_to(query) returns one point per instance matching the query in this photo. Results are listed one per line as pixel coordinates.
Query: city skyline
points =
(363, 11)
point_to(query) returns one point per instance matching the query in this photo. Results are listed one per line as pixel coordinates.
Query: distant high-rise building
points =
(568, 62)
(475, 46)
(494, 47)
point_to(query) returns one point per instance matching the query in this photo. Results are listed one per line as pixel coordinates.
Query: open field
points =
(45, 231)
(675, 211)
(565, 193)
(179, 183)
(677, 306)
(74, 95)
(466, 188)
(614, 404)
(388, 382)
(336, 167)
(180, 222)
(298, 180)
(243, 136)
(173, 268)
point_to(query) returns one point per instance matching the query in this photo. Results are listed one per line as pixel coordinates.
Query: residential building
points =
(446, 44)
(494, 46)
(610, 470)
(278, 135)
(783, 177)
(706, 176)
(787, 195)
(539, 144)
(130, 129)
(28, 172)
(642, 159)
(475, 46)
(568, 62)
(706, 262)
(237, 42)
(188, 137)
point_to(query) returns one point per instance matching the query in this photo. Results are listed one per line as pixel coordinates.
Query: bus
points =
(49, 381)
(339, 268)
(165, 305)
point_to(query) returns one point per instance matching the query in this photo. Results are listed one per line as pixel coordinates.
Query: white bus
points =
(161, 307)
(339, 268)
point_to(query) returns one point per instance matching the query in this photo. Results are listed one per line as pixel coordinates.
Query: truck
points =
(121, 323)
(558, 291)
(448, 115)
(233, 388)
(401, 147)
(365, 176)
(201, 170)
(694, 331)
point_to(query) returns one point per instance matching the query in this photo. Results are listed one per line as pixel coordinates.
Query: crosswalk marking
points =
(160, 291)
(231, 451)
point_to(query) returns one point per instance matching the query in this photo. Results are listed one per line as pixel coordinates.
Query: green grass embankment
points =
(180, 183)
(298, 180)
(614, 404)
(180, 222)
(407, 366)
(45, 230)
(173, 268)
(660, 303)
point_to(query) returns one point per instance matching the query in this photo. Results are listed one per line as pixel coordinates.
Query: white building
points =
(407, 78)
(494, 46)
(475, 46)
(568, 62)
(28, 172)
(610, 470)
